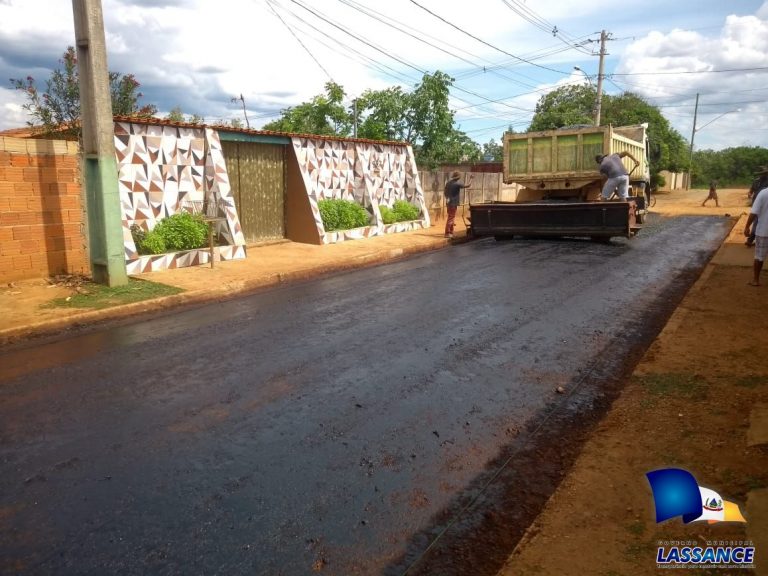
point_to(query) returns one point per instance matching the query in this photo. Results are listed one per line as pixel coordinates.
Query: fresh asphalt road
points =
(337, 426)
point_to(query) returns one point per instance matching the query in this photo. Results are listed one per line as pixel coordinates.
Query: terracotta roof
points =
(223, 127)
(25, 132)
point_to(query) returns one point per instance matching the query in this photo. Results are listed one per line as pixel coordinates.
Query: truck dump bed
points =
(565, 159)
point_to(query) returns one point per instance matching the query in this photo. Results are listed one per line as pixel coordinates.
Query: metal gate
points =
(257, 177)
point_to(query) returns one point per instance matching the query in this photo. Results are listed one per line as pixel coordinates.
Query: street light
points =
(699, 129)
(585, 75)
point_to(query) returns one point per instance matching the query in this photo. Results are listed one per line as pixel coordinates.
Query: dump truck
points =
(562, 185)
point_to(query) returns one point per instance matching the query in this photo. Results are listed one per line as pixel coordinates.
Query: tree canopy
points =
(421, 117)
(732, 166)
(324, 115)
(57, 108)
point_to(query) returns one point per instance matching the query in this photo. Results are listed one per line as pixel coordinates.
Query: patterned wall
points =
(371, 174)
(164, 170)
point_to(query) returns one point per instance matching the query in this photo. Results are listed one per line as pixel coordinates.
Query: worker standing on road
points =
(759, 213)
(452, 198)
(712, 194)
(612, 168)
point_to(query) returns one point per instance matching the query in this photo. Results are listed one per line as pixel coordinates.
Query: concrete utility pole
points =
(105, 227)
(599, 102)
(693, 135)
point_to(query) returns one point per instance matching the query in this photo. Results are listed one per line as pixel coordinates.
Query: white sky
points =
(199, 54)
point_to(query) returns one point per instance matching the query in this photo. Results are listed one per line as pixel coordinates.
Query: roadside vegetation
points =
(98, 296)
(338, 214)
(401, 211)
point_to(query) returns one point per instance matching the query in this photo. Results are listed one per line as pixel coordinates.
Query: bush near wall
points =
(178, 232)
(340, 214)
(401, 211)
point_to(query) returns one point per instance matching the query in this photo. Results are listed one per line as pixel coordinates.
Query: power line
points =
(757, 69)
(532, 17)
(386, 53)
(299, 40)
(486, 43)
(361, 9)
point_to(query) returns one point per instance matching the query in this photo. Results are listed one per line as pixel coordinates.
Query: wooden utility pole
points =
(105, 222)
(599, 102)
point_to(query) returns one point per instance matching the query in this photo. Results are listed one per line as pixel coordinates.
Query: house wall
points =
(300, 225)
(42, 217)
(164, 170)
(369, 173)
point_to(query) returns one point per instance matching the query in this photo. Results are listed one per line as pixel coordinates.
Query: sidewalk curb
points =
(219, 293)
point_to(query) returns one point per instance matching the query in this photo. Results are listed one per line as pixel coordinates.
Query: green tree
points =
(57, 108)
(730, 167)
(382, 114)
(493, 150)
(564, 106)
(324, 115)
(421, 117)
(175, 115)
(430, 121)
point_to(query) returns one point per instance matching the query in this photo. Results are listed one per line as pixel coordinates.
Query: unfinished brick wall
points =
(42, 230)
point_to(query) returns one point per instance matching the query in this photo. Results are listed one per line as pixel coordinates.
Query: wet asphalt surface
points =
(396, 419)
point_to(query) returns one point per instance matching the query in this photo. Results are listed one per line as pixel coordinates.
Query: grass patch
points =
(636, 528)
(97, 296)
(755, 482)
(685, 385)
(640, 551)
(751, 382)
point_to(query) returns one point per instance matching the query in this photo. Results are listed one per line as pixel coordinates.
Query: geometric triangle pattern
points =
(370, 174)
(162, 170)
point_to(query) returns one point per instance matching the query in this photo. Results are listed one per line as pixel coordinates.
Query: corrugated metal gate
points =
(257, 176)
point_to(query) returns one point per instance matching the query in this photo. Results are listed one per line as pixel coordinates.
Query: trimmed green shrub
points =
(388, 215)
(404, 210)
(151, 243)
(340, 214)
(401, 211)
(181, 231)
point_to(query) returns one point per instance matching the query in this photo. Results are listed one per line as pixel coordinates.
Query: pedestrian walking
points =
(712, 194)
(452, 198)
(759, 215)
(617, 176)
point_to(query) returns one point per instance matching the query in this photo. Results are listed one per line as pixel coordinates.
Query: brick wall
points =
(42, 218)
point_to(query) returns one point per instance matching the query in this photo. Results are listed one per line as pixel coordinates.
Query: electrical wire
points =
(269, 4)
(532, 17)
(387, 53)
(347, 51)
(487, 43)
(384, 20)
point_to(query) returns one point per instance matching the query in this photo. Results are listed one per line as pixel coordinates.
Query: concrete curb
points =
(220, 293)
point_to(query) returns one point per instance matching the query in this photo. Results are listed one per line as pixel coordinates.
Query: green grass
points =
(98, 296)
(751, 381)
(685, 385)
(636, 528)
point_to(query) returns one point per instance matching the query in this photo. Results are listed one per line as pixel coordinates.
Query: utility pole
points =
(599, 102)
(693, 135)
(247, 124)
(105, 222)
(354, 102)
